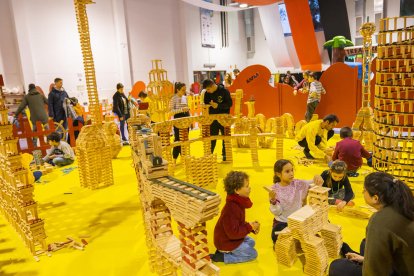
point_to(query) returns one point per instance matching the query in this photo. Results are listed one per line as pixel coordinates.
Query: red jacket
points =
(351, 152)
(231, 227)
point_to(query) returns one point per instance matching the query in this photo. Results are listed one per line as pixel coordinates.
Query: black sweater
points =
(220, 96)
(336, 186)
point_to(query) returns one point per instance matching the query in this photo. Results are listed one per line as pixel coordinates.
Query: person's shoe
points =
(217, 257)
(346, 249)
(308, 155)
(125, 143)
(224, 158)
(353, 174)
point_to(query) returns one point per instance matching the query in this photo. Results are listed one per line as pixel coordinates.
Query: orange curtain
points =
(303, 34)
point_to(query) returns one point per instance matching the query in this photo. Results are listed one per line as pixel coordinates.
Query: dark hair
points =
(345, 132)
(337, 166)
(312, 75)
(391, 192)
(307, 72)
(177, 86)
(54, 136)
(331, 118)
(142, 94)
(208, 83)
(57, 80)
(234, 181)
(73, 100)
(235, 70)
(278, 168)
(32, 86)
(119, 85)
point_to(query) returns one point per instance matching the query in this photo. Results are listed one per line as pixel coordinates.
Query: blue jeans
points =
(61, 161)
(244, 253)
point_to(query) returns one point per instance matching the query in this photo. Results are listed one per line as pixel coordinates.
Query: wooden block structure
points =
(394, 99)
(202, 171)
(303, 228)
(16, 190)
(93, 149)
(113, 139)
(164, 198)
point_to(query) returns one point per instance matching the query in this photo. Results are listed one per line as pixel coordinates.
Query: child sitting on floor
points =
(340, 193)
(288, 194)
(60, 154)
(231, 232)
(350, 151)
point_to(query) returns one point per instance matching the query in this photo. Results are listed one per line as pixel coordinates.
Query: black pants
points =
(177, 149)
(310, 109)
(345, 267)
(277, 226)
(215, 128)
(318, 140)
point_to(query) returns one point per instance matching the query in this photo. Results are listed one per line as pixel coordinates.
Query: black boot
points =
(217, 257)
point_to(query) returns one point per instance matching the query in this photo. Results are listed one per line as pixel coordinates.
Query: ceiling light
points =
(243, 6)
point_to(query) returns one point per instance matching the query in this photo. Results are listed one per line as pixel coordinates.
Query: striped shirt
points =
(315, 91)
(177, 104)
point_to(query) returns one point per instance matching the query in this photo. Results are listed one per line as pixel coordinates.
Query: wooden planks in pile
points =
(332, 237)
(285, 248)
(316, 256)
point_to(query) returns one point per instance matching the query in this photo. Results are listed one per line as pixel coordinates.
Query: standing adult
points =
(220, 102)
(35, 101)
(314, 136)
(120, 107)
(56, 99)
(314, 97)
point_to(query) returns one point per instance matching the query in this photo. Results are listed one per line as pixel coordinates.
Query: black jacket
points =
(118, 106)
(55, 104)
(220, 96)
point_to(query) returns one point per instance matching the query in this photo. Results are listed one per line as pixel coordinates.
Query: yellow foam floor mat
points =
(110, 219)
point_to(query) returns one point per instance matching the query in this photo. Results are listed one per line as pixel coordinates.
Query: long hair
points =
(391, 192)
(278, 168)
(338, 167)
(177, 86)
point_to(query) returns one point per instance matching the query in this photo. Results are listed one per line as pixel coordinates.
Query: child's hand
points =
(340, 206)
(354, 257)
(318, 180)
(272, 195)
(256, 226)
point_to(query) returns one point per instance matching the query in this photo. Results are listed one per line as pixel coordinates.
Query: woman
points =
(390, 232)
(178, 107)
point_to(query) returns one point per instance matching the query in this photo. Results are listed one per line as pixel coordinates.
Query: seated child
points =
(340, 193)
(60, 154)
(287, 194)
(231, 231)
(350, 151)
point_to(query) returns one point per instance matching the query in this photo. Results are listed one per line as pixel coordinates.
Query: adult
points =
(389, 243)
(314, 136)
(220, 102)
(179, 108)
(314, 96)
(35, 101)
(120, 107)
(56, 99)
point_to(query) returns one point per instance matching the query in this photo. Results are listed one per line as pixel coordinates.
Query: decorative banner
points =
(207, 31)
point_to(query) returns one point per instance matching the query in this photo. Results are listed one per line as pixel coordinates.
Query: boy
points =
(230, 234)
(314, 97)
(60, 154)
(350, 151)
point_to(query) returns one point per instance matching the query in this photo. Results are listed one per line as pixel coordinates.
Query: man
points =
(314, 135)
(56, 99)
(220, 102)
(120, 107)
(35, 101)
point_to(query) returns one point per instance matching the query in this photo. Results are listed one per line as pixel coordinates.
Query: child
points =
(230, 234)
(314, 97)
(350, 151)
(60, 154)
(340, 193)
(287, 195)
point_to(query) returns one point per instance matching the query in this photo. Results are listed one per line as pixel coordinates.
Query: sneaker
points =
(217, 257)
(125, 143)
(308, 155)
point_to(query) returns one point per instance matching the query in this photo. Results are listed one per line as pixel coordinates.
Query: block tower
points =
(394, 99)
(93, 150)
(363, 125)
(16, 189)
(302, 234)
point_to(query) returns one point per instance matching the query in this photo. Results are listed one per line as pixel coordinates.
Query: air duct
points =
(248, 16)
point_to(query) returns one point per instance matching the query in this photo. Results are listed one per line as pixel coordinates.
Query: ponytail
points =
(391, 192)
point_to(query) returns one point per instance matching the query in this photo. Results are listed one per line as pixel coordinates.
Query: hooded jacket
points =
(56, 110)
(35, 101)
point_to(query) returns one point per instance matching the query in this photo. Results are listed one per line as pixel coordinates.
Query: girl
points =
(287, 195)
(390, 232)
(336, 179)
(178, 107)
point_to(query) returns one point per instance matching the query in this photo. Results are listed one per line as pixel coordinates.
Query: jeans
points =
(244, 253)
(318, 140)
(122, 126)
(215, 128)
(310, 109)
(61, 161)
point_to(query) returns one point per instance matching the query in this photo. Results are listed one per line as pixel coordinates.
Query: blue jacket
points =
(55, 104)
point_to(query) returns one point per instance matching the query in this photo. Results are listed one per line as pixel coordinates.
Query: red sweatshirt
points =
(231, 227)
(351, 152)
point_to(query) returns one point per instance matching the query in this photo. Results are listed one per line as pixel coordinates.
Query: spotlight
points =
(243, 5)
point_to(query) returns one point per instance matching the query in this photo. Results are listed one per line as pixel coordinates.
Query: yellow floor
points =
(111, 220)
